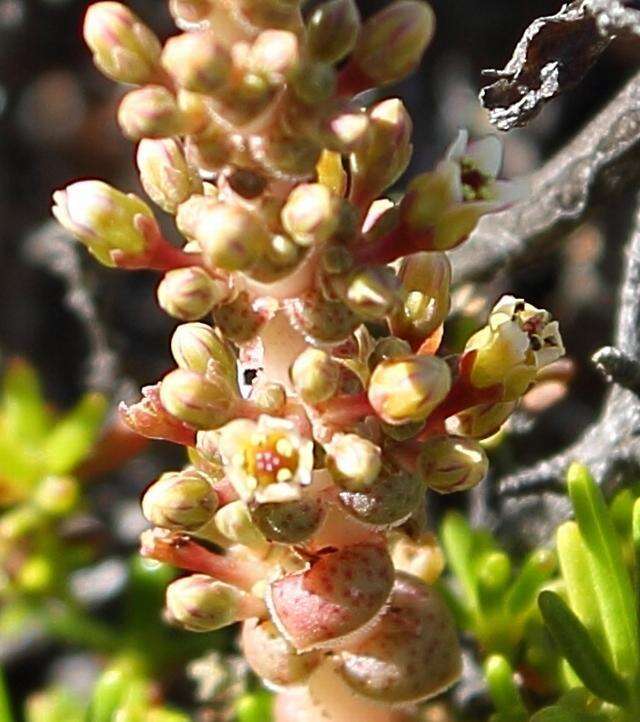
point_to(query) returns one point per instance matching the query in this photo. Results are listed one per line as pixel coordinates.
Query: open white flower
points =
(267, 461)
(475, 167)
(518, 341)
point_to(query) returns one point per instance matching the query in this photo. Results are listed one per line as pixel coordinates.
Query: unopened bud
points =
(386, 348)
(187, 13)
(390, 499)
(392, 41)
(290, 522)
(269, 397)
(452, 463)
(321, 319)
(235, 523)
(104, 219)
(209, 152)
(230, 237)
(332, 30)
(180, 500)
(189, 293)
(426, 280)
(353, 462)
(238, 320)
(380, 161)
(314, 83)
(123, 48)
(421, 557)
(288, 155)
(310, 214)
(150, 112)
(197, 347)
(482, 421)
(165, 174)
(197, 61)
(315, 376)
(275, 54)
(408, 389)
(202, 604)
(373, 292)
(204, 403)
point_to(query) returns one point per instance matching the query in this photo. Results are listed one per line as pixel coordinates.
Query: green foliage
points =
(491, 597)
(592, 618)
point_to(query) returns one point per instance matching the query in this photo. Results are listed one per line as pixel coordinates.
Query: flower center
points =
(475, 184)
(271, 458)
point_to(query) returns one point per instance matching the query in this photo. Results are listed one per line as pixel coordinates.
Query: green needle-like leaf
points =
(582, 654)
(503, 690)
(108, 694)
(635, 535)
(24, 412)
(458, 544)
(537, 569)
(611, 582)
(576, 572)
(72, 438)
(254, 707)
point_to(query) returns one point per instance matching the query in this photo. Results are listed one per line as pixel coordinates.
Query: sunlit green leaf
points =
(25, 416)
(611, 582)
(578, 648)
(537, 569)
(503, 690)
(71, 439)
(458, 543)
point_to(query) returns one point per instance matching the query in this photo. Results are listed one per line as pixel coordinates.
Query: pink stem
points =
(395, 244)
(344, 410)
(183, 552)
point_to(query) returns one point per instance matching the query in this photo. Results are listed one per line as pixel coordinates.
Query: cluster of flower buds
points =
(301, 513)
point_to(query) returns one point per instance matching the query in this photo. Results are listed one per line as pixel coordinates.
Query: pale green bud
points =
(386, 348)
(189, 12)
(238, 320)
(197, 347)
(204, 403)
(150, 112)
(452, 463)
(314, 83)
(392, 41)
(315, 375)
(189, 293)
(180, 500)
(408, 388)
(202, 604)
(481, 421)
(379, 162)
(269, 397)
(289, 522)
(165, 174)
(230, 237)
(104, 219)
(333, 29)
(235, 523)
(353, 462)
(372, 292)
(197, 61)
(311, 214)
(123, 47)
(426, 280)
(192, 211)
(275, 54)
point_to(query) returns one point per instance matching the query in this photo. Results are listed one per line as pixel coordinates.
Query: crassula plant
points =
(316, 403)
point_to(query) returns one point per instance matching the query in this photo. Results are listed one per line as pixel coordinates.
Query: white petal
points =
(487, 154)
(459, 146)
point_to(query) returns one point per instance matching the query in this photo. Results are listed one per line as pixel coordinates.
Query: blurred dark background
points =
(57, 124)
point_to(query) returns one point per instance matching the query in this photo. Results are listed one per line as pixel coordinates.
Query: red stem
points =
(395, 244)
(352, 80)
(183, 552)
(346, 409)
